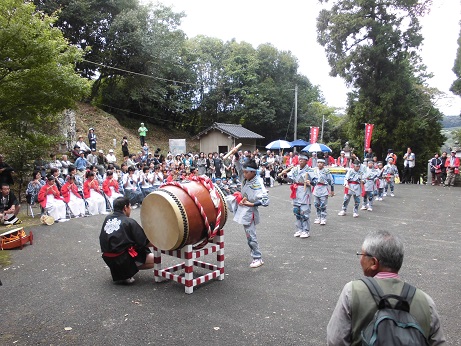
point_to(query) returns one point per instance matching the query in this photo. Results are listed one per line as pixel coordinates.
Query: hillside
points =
(451, 121)
(109, 127)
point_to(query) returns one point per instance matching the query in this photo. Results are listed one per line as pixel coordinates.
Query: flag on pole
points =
(368, 133)
(314, 134)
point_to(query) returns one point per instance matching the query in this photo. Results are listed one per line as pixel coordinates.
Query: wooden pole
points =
(232, 151)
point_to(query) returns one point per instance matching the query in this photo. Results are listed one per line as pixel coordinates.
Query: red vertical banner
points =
(368, 133)
(314, 134)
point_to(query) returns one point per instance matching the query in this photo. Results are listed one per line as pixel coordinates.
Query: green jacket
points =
(142, 131)
(363, 306)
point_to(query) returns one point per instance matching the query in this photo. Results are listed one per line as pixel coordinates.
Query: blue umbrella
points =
(299, 143)
(316, 147)
(278, 144)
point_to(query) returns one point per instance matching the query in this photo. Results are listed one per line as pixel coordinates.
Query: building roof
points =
(236, 131)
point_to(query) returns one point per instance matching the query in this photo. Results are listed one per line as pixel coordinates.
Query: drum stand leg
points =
(190, 260)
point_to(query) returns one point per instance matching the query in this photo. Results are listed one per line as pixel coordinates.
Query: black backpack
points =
(392, 325)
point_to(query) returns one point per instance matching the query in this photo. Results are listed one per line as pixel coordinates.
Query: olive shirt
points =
(356, 307)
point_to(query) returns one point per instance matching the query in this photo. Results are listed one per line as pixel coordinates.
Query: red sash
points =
(293, 188)
(131, 251)
(238, 196)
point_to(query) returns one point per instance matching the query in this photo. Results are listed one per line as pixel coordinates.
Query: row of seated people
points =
(55, 201)
(95, 194)
(81, 197)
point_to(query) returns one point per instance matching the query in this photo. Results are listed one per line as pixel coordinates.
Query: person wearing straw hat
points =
(301, 195)
(324, 187)
(82, 145)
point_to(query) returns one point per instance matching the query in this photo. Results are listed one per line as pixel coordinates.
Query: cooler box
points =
(338, 179)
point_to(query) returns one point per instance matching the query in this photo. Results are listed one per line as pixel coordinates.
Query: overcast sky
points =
(291, 25)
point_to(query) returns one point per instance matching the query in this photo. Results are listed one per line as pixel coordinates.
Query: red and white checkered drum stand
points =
(185, 220)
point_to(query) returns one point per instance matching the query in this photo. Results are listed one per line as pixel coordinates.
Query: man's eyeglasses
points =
(363, 254)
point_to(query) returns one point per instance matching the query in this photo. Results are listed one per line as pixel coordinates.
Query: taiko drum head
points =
(164, 220)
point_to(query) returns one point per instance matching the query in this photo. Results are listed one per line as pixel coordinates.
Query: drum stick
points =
(285, 171)
(233, 151)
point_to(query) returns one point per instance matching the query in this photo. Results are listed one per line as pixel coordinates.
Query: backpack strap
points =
(403, 301)
(375, 290)
(406, 296)
(408, 292)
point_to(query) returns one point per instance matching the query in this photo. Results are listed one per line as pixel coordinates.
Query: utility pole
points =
(323, 122)
(296, 113)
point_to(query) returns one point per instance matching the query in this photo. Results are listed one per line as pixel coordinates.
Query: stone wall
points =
(68, 130)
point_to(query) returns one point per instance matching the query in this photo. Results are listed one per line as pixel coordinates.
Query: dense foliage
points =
(373, 45)
(37, 81)
(456, 86)
(179, 82)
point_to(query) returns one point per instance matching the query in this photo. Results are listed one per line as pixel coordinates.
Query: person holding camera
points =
(130, 187)
(125, 151)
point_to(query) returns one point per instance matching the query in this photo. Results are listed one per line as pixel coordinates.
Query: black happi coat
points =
(118, 234)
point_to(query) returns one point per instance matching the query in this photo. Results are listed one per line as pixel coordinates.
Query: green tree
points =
(37, 81)
(147, 42)
(204, 56)
(456, 135)
(86, 24)
(252, 87)
(373, 45)
(147, 69)
(456, 86)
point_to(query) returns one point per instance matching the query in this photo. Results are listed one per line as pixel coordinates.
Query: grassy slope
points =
(107, 127)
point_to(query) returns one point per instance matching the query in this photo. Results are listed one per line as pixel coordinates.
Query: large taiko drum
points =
(171, 217)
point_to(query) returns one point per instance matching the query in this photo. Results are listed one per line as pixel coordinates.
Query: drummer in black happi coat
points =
(124, 245)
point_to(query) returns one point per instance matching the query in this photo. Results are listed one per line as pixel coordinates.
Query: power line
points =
(143, 115)
(131, 112)
(139, 74)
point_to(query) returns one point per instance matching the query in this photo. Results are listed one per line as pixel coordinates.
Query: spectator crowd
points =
(86, 181)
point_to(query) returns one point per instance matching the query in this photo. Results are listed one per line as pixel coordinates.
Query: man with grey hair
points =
(381, 257)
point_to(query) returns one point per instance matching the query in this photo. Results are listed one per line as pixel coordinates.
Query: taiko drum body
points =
(171, 217)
